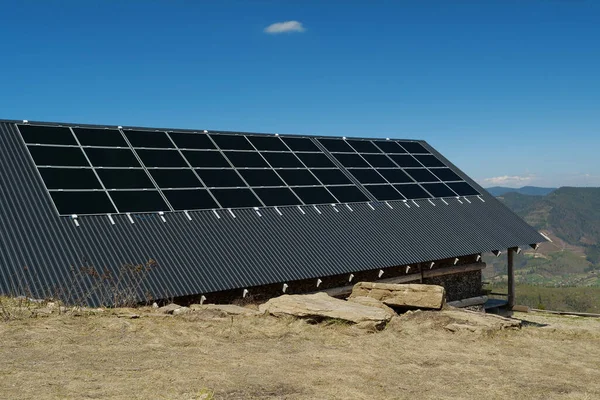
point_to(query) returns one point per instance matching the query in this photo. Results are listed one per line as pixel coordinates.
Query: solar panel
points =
(300, 144)
(106, 170)
(367, 175)
(315, 160)
(363, 146)
(69, 178)
(267, 143)
(438, 190)
(413, 147)
(395, 175)
(336, 145)
(277, 196)
(111, 157)
(175, 178)
(389, 146)
(429, 161)
(68, 203)
(192, 140)
(405, 161)
(379, 160)
(462, 188)
(351, 160)
(139, 201)
(161, 158)
(198, 199)
(47, 135)
(245, 159)
(261, 177)
(282, 160)
(212, 159)
(220, 177)
(100, 137)
(231, 198)
(232, 142)
(384, 192)
(58, 156)
(331, 176)
(422, 175)
(298, 177)
(314, 195)
(412, 191)
(158, 140)
(125, 178)
(348, 194)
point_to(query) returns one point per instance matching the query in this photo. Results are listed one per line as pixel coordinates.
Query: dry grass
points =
(187, 357)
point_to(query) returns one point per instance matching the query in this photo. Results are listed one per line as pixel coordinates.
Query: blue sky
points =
(509, 90)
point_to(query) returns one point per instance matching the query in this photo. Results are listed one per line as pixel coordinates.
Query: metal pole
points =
(511, 278)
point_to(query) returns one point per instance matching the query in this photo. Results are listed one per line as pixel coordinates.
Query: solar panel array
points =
(107, 171)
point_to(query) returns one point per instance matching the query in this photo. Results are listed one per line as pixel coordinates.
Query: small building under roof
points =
(211, 215)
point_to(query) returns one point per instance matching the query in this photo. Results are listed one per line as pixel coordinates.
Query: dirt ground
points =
(188, 357)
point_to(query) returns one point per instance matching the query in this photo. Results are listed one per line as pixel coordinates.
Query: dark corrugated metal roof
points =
(208, 254)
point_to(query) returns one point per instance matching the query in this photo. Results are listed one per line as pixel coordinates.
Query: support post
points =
(511, 278)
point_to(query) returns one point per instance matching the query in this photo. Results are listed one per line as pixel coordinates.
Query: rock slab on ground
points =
(402, 295)
(371, 302)
(229, 309)
(174, 309)
(322, 306)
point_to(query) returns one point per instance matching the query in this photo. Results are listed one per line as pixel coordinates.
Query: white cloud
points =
(506, 180)
(284, 27)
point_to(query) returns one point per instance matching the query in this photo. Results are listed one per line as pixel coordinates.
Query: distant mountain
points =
(570, 217)
(527, 190)
(572, 214)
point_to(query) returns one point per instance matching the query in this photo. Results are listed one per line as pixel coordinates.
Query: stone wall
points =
(459, 286)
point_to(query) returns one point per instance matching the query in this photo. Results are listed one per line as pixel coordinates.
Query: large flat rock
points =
(402, 295)
(321, 305)
(229, 309)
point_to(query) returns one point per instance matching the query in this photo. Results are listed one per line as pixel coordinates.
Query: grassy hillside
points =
(563, 274)
(572, 214)
(194, 356)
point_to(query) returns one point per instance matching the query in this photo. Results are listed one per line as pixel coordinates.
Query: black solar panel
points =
(158, 140)
(348, 194)
(47, 135)
(351, 160)
(111, 157)
(363, 146)
(207, 159)
(58, 156)
(388, 146)
(232, 142)
(139, 201)
(69, 178)
(108, 170)
(190, 199)
(336, 145)
(192, 140)
(125, 178)
(231, 198)
(175, 178)
(314, 195)
(245, 159)
(300, 144)
(267, 143)
(100, 137)
(282, 160)
(412, 191)
(384, 192)
(277, 196)
(68, 203)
